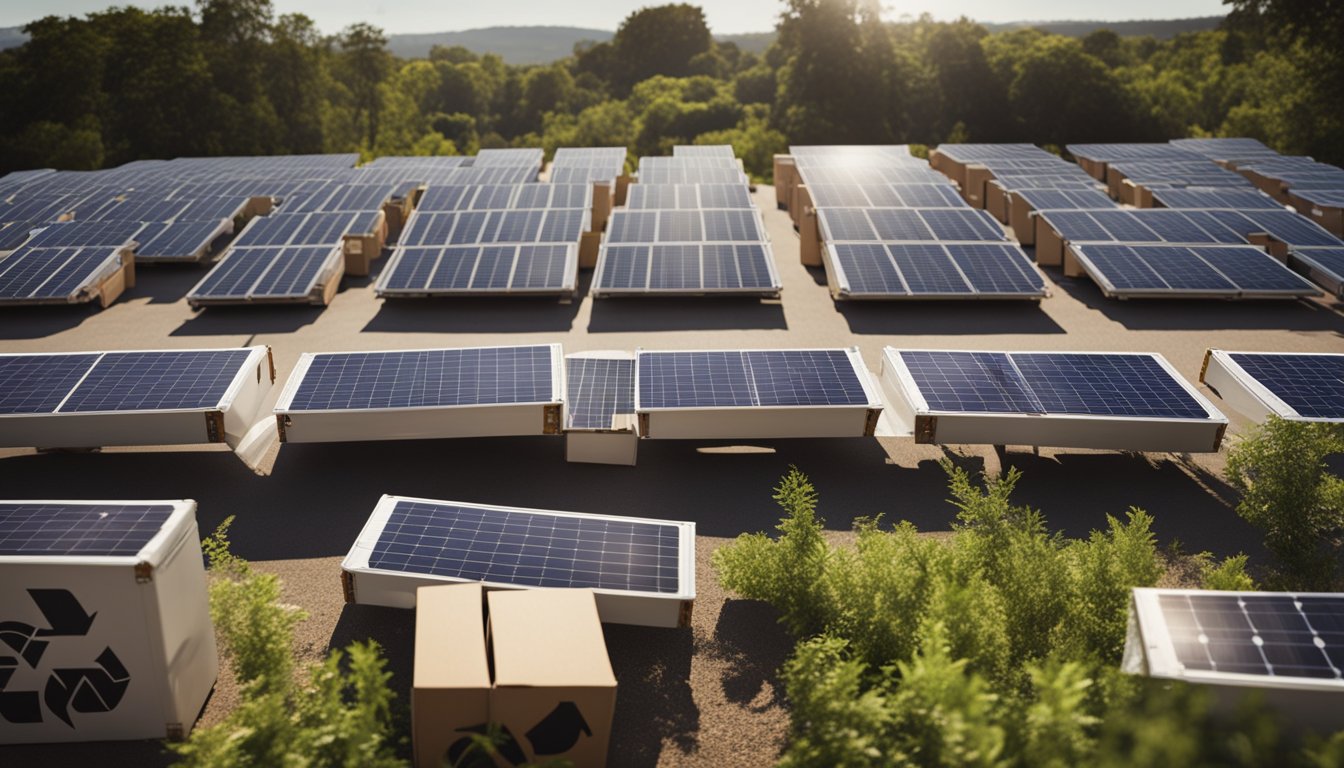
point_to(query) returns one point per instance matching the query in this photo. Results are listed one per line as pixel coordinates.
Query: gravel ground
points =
(707, 695)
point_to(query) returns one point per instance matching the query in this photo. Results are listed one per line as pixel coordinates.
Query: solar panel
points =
(1209, 199)
(482, 227)
(1256, 638)
(742, 268)
(55, 274)
(266, 273)
(1284, 226)
(681, 175)
(599, 391)
(703, 150)
(1324, 265)
(156, 381)
(933, 270)
(424, 378)
(747, 378)
(1290, 385)
(178, 240)
(1091, 384)
(54, 529)
(89, 233)
(1219, 271)
(674, 226)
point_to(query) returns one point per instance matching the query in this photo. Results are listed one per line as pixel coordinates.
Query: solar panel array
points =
(890, 235)
(1260, 634)
(66, 262)
(344, 381)
(117, 381)
(587, 165)
(78, 529)
(1065, 383)
(528, 548)
(747, 379)
(1222, 271)
(686, 237)
(491, 239)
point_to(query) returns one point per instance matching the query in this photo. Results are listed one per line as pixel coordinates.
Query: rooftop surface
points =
(708, 695)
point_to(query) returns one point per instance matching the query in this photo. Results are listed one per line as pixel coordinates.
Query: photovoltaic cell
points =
(35, 529)
(524, 548)
(766, 378)
(1273, 635)
(598, 390)
(425, 378)
(1092, 384)
(1312, 385)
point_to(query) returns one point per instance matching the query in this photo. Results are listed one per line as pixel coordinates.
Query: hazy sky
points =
(725, 16)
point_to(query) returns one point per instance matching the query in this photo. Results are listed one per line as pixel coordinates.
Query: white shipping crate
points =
(97, 646)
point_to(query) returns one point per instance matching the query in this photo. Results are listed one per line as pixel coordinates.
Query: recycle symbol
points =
(556, 734)
(97, 688)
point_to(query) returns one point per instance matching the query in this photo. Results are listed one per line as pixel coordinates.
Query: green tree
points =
(660, 40)
(365, 64)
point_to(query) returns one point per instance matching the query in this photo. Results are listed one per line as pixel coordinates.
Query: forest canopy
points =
(230, 77)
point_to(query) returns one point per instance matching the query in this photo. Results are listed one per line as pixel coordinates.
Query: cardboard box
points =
(550, 689)
(786, 174)
(450, 687)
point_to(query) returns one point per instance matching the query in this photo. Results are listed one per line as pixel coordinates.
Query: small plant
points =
(1288, 492)
(336, 713)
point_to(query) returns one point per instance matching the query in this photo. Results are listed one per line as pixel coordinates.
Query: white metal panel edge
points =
(396, 589)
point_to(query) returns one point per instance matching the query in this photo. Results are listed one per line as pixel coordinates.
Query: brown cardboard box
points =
(552, 690)
(451, 681)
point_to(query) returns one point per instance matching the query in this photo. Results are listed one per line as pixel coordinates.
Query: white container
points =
(130, 650)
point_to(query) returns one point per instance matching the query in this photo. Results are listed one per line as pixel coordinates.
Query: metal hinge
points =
(684, 615)
(870, 426)
(144, 573)
(550, 424)
(214, 426)
(348, 586)
(643, 425)
(281, 421)
(926, 428)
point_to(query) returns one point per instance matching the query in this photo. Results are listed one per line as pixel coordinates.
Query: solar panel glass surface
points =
(36, 529)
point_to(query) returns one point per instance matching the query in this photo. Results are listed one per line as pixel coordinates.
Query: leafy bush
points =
(1288, 491)
(999, 645)
(339, 715)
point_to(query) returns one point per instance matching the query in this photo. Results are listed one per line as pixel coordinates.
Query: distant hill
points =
(540, 45)
(517, 45)
(1162, 29)
(12, 37)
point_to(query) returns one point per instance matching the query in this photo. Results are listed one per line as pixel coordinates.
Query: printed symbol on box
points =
(91, 689)
(555, 734)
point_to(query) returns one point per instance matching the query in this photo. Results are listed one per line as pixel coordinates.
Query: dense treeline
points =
(231, 77)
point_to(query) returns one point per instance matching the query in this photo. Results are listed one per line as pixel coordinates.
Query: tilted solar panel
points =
(747, 378)
(653, 268)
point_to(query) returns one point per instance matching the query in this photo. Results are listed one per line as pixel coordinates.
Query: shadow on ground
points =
(653, 314)
(40, 322)
(920, 318)
(249, 320)
(165, 283)
(474, 315)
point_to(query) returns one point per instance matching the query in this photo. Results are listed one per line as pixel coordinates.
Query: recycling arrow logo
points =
(95, 688)
(556, 734)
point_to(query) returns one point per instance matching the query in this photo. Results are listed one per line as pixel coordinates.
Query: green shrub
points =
(339, 715)
(1288, 492)
(997, 646)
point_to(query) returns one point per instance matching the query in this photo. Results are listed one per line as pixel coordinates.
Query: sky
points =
(725, 16)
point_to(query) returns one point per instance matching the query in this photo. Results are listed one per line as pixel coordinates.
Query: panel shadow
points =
(496, 314)
(165, 283)
(957, 318)
(706, 313)
(38, 322)
(249, 319)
